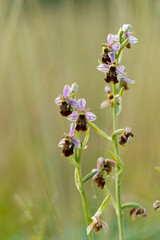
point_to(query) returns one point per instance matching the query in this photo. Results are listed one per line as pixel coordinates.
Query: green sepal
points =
(117, 159)
(86, 138)
(88, 176)
(131, 205)
(124, 44)
(77, 180)
(157, 168)
(100, 132)
(72, 161)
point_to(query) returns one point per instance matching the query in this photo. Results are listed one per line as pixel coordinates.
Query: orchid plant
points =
(72, 144)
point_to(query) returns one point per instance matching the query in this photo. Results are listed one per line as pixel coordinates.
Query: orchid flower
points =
(126, 29)
(125, 138)
(69, 142)
(97, 224)
(66, 102)
(109, 100)
(82, 116)
(102, 165)
(113, 72)
(138, 212)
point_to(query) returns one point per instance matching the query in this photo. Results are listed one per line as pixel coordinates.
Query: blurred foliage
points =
(41, 50)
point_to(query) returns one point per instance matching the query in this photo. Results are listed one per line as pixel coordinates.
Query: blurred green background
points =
(43, 46)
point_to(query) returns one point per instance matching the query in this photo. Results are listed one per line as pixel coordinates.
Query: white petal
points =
(61, 143)
(104, 104)
(58, 100)
(133, 39)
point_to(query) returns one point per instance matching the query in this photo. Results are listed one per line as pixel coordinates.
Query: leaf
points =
(88, 176)
(86, 138)
(72, 161)
(117, 159)
(157, 168)
(100, 132)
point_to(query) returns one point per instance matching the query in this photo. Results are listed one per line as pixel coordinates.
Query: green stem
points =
(84, 201)
(82, 192)
(118, 170)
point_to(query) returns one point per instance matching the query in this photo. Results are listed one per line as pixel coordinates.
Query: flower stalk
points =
(118, 170)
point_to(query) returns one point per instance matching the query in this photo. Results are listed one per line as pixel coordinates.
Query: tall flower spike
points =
(126, 33)
(65, 102)
(69, 142)
(113, 72)
(97, 224)
(82, 116)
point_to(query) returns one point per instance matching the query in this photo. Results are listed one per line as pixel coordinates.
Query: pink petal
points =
(115, 47)
(103, 68)
(112, 56)
(58, 100)
(81, 103)
(61, 143)
(72, 129)
(128, 80)
(73, 116)
(133, 39)
(110, 39)
(73, 102)
(66, 91)
(76, 142)
(90, 116)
